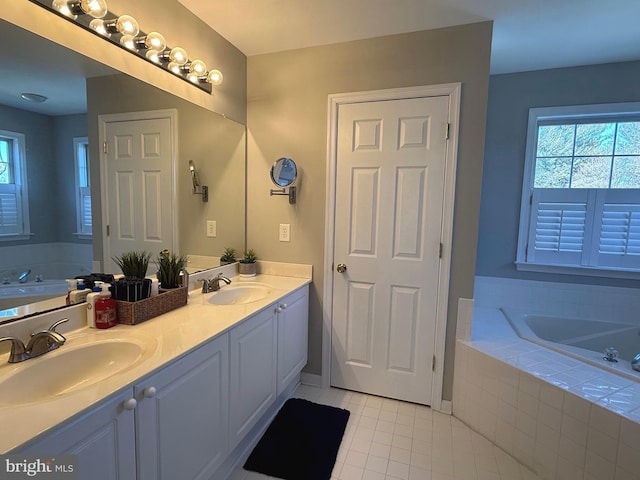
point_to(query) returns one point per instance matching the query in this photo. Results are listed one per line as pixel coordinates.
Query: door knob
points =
(341, 268)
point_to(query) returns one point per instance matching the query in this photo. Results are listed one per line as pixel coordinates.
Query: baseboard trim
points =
(311, 379)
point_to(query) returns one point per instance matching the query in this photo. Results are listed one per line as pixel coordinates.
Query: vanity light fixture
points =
(124, 31)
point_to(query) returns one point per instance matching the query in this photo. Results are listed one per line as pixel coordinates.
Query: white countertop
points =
(174, 333)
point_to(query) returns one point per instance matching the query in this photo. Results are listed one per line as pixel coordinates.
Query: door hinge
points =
(433, 364)
(531, 199)
(440, 250)
(447, 127)
(105, 147)
(108, 230)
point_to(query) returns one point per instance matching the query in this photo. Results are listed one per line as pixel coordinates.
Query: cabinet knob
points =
(149, 392)
(129, 404)
(283, 306)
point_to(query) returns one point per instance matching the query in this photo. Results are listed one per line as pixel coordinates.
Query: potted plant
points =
(247, 264)
(133, 264)
(170, 265)
(229, 256)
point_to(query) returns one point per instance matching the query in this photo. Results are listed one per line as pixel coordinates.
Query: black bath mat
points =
(301, 443)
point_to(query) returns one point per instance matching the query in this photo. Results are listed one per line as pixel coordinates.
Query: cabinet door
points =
(182, 416)
(293, 321)
(103, 440)
(252, 347)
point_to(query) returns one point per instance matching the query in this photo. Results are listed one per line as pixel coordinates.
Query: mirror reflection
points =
(55, 210)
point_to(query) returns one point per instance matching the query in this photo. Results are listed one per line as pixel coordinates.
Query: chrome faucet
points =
(635, 363)
(214, 283)
(40, 343)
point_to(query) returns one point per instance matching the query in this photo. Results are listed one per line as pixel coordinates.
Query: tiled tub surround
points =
(565, 419)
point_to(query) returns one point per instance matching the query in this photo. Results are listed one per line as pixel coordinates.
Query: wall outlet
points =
(211, 228)
(285, 230)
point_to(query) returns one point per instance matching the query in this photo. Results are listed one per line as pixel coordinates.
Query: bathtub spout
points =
(635, 363)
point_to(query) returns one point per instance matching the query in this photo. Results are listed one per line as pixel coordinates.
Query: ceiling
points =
(527, 35)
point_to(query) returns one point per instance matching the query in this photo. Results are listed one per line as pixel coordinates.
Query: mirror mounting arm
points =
(291, 193)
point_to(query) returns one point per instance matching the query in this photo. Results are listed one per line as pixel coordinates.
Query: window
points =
(83, 186)
(14, 208)
(580, 209)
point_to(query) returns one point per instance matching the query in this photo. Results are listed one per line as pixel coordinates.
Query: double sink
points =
(90, 356)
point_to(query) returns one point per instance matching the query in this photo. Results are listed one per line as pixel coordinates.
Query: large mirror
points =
(60, 178)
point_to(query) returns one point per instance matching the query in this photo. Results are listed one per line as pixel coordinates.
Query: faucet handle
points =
(18, 350)
(53, 327)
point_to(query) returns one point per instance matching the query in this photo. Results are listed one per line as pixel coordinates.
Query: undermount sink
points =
(69, 369)
(239, 294)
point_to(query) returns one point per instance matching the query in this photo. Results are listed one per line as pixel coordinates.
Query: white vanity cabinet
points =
(253, 357)
(185, 420)
(182, 416)
(103, 439)
(177, 419)
(293, 324)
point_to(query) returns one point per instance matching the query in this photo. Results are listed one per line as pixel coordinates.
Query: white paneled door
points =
(138, 187)
(390, 187)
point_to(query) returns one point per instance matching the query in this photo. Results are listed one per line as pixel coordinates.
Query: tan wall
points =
(178, 25)
(287, 116)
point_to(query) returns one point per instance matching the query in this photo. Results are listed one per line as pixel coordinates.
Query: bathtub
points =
(582, 339)
(15, 294)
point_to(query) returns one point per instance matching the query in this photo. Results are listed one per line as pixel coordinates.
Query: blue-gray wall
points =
(510, 98)
(50, 172)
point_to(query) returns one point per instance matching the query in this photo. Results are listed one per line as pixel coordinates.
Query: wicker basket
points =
(132, 313)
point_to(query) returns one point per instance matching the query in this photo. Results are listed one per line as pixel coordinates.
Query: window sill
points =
(573, 270)
(83, 236)
(16, 237)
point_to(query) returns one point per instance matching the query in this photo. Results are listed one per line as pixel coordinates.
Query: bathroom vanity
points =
(209, 378)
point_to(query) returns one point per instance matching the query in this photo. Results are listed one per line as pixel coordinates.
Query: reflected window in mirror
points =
(14, 201)
(83, 187)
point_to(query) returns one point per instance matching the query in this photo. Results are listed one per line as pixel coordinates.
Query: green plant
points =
(249, 257)
(170, 265)
(229, 255)
(133, 264)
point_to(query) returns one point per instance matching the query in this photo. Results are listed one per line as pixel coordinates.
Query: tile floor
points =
(391, 440)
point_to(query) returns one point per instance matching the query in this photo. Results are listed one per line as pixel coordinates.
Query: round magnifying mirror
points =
(284, 172)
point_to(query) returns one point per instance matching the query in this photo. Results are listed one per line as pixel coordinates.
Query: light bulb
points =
(175, 68)
(151, 41)
(124, 24)
(98, 25)
(198, 67)
(63, 7)
(128, 41)
(95, 8)
(153, 55)
(215, 77)
(193, 77)
(178, 55)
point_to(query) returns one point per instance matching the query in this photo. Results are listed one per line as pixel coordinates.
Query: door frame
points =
(453, 91)
(103, 120)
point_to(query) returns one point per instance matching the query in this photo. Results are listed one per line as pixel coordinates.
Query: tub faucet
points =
(40, 343)
(635, 363)
(215, 282)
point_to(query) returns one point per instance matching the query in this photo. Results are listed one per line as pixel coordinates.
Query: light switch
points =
(211, 228)
(285, 229)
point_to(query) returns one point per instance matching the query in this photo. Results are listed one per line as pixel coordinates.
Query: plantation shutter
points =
(85, 210)
(10, 214)
(558, 226)
(617, 230)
